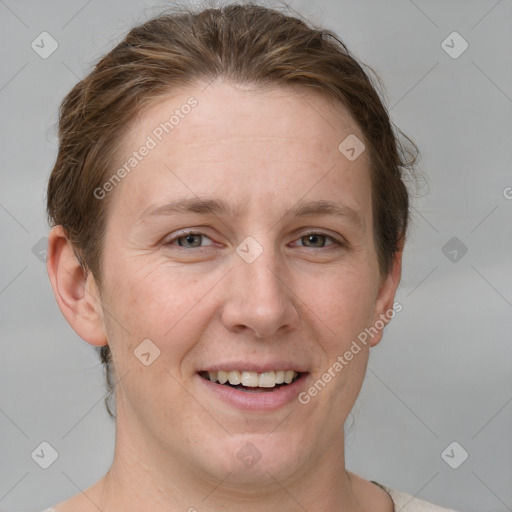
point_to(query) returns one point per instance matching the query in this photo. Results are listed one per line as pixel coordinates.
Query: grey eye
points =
(190, 240)
(314, 240)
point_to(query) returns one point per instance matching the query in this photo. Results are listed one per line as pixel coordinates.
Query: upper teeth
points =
(253, 379)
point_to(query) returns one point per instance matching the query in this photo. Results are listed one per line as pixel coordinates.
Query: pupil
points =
(316, 240)
(189, 239)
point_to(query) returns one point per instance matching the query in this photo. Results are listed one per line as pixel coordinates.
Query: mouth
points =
(252, 382)
(250, 390)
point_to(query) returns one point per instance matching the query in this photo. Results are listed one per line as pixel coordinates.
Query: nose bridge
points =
(264, 284)
(258, 297)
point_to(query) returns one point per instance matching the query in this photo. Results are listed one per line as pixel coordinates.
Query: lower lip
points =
(256, 401)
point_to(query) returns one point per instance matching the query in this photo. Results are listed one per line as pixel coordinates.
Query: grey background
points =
(442, 372)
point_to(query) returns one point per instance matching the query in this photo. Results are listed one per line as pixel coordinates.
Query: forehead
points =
(242, 144)
(225, 112)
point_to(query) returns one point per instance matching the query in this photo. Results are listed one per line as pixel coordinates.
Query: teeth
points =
(235, 378)
(267, 380)
(288, 376)
(250, 379)
(253, 379)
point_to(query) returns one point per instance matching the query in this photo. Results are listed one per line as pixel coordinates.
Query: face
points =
(241, 242)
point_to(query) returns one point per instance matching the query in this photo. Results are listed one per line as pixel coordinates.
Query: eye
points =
(317, 240)
(189, 240)
(192, 239)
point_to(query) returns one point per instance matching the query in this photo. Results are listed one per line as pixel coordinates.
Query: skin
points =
(263, 152)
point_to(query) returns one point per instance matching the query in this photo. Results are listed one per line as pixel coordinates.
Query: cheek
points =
(158, 303)
(154, 307)
(341, 310)
(343, 304)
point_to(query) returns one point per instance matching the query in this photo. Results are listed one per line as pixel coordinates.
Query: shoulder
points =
(407, 503)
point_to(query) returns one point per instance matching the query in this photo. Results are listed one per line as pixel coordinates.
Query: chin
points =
(255, 460)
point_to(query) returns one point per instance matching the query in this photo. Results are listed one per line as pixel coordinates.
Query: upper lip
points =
(256, 367)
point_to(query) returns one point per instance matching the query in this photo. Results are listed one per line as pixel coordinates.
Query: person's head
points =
(274, 148)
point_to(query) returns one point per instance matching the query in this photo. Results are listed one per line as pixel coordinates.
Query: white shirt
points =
(407, 503)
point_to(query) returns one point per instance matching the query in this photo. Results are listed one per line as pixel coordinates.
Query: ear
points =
(385, 307)
(75, 290)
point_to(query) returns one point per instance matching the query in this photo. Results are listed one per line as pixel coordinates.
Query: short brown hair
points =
(244, 44)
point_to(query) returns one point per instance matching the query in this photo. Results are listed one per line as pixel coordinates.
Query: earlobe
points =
(385, 305)
(75, 290)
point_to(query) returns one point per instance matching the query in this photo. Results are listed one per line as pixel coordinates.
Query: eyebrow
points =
(222, 208)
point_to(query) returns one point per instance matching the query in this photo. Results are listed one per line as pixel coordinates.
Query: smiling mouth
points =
(252, 382)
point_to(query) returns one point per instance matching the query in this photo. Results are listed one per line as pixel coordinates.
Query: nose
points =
(260, 297)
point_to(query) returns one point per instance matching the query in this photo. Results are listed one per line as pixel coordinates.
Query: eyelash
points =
(197, 233)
